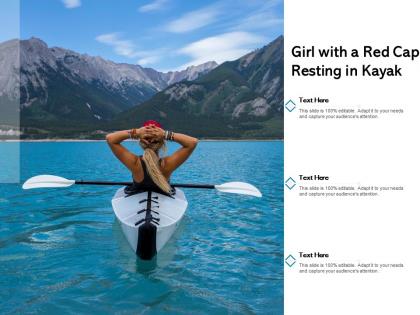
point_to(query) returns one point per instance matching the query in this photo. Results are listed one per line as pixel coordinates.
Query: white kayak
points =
(148, 219)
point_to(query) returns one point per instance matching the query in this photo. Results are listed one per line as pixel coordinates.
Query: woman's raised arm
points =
(114, 140)
(188, 143)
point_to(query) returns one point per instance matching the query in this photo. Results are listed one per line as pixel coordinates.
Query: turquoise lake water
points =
(62, 251)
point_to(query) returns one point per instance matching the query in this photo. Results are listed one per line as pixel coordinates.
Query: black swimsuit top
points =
(146, 184)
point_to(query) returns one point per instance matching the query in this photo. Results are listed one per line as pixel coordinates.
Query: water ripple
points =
(61, 250)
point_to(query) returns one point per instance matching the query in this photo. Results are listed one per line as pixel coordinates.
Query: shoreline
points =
(91, 140)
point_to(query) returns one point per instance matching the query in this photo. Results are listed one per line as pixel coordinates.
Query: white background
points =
(384, 151)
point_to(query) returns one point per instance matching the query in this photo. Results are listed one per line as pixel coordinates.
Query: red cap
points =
(152, 123)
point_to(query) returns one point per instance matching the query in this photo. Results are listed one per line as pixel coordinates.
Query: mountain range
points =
(67, 94)
(238, 99)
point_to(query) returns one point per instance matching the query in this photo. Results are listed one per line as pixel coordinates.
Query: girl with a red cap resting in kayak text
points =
(149, 171)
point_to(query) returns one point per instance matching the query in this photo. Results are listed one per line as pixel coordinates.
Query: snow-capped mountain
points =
(240, 98)
(56, 83)
(189, 74)
(67, 94)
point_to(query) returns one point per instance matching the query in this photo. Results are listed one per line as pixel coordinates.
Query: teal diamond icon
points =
(290, 183)
(290, 106)
(290, 260)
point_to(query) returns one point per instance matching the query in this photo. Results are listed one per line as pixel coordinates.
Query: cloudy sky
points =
(162, 34)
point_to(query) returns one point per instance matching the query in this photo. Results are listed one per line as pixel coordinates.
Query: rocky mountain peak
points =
(191, 73)
(58, 82)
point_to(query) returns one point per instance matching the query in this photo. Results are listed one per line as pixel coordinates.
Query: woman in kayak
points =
(149, 170)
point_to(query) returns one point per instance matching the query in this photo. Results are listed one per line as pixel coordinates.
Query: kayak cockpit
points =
(168, 209)
(148, 219)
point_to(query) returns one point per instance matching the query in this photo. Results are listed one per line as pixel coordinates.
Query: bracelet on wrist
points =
(134, 134)
(169, 135)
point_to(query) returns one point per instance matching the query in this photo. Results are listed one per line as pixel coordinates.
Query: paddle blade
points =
(239, 188)
(46, 181)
